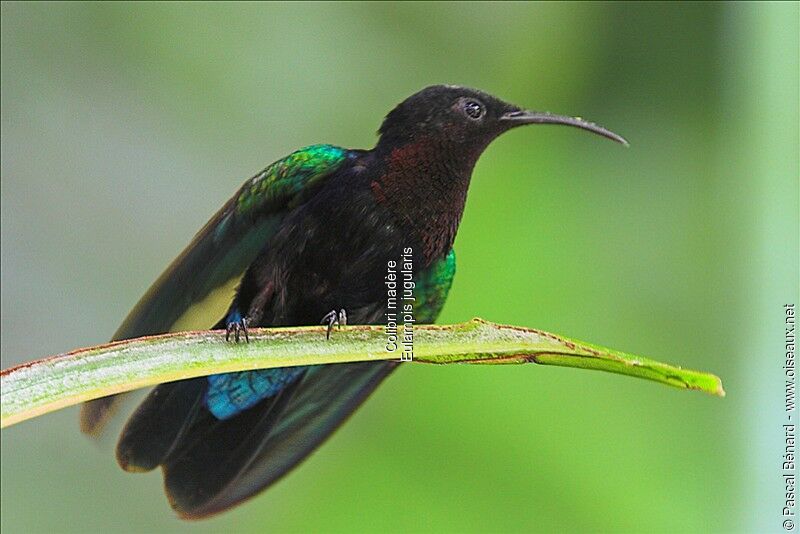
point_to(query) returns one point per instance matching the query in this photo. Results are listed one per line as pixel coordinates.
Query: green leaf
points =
(45, 385)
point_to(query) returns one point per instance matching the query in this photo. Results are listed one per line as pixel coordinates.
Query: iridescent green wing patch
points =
(287, 178)
(432, 287)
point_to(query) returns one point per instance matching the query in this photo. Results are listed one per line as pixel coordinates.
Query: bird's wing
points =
(218, 464)
(211, 465)
(197, 287)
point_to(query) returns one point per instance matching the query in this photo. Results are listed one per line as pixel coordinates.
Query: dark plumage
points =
(312, 234)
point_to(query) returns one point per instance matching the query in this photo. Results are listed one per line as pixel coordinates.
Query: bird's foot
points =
(334, 318)
(237, 325)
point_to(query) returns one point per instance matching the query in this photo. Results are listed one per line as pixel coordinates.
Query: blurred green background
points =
(125, 126)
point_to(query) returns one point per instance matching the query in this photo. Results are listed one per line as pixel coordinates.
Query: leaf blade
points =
(45, 385)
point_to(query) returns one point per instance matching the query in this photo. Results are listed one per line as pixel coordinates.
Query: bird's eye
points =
(473, 109)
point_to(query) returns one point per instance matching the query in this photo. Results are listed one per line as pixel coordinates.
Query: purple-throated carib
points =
(308, 238)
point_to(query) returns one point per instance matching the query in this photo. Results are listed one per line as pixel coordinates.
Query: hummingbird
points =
(306, 240)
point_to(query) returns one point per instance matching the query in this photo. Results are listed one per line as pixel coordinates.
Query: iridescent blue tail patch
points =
(231, 393)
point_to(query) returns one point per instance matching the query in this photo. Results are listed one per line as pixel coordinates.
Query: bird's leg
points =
(237, 324)
(334, 318)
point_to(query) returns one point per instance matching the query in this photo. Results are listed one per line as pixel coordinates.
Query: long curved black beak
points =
(520, 117)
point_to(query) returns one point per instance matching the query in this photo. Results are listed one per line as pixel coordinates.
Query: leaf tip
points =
(713, 386)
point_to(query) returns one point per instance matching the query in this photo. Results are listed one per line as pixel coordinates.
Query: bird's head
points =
(466, 119)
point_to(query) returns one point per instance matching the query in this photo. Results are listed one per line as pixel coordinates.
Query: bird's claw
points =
(334, 318)
(237, 328)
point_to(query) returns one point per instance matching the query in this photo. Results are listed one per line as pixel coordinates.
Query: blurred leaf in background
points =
(125, 126)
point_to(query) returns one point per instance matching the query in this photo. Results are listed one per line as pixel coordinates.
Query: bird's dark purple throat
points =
(305, 240)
